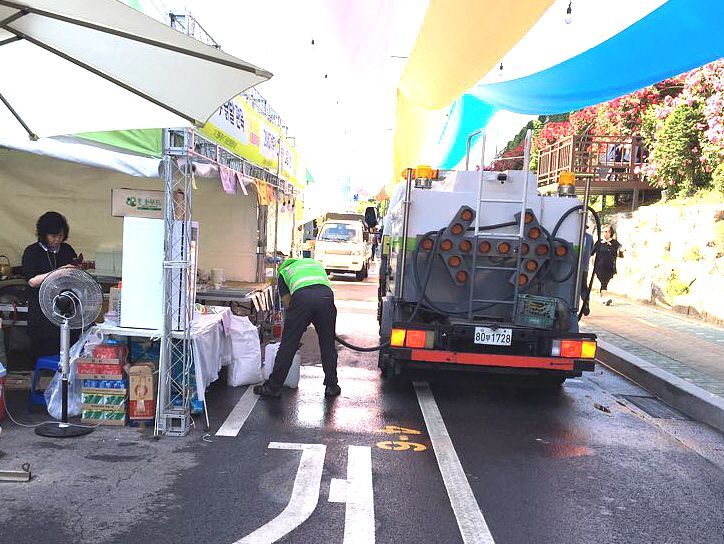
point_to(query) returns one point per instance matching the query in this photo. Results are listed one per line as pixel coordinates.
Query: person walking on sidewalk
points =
(604, 264)
(308, 298)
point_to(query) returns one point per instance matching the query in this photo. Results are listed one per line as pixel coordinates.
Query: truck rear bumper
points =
(341, 267)
(491, 361)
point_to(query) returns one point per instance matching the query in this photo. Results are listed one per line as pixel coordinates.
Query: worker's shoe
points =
(268, 389)
(332, 391)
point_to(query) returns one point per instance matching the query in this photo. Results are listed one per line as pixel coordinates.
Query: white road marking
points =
(646, 322)
(356, 492)
(305, 494)
(338, 490)
(238, 416)
(470, 519)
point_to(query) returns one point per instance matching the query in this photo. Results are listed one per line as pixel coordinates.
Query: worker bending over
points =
(308, 298)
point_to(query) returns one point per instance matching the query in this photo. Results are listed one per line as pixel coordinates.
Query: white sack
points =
(270, 355)
(245, 367)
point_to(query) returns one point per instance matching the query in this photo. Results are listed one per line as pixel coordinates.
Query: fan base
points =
(62, 430)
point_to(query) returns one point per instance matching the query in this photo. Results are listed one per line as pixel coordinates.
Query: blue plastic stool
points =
(48, 362)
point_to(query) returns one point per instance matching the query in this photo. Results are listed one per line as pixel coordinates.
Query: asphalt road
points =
(385, 462)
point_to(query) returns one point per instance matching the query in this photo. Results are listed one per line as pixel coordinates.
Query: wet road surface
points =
(401, 462)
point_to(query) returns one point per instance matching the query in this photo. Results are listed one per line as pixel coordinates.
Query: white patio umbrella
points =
(70, 66)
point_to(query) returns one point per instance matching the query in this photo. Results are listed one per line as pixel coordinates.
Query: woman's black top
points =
(38, 260)
(606, 253)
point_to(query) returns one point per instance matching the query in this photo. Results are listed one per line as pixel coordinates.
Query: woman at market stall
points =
(40, 258)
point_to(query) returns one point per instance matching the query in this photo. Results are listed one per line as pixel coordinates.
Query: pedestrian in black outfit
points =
(308, 297)
(604, 265)
(40, 258)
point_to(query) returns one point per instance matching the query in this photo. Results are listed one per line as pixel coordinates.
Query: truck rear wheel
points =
(388, 372)
(362, 274)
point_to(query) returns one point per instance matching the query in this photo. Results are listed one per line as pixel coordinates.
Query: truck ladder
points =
(519, 236)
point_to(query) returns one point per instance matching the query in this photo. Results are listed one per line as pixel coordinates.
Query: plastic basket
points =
(535, 311)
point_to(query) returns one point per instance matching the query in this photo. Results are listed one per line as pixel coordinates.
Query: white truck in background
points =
(344, 244)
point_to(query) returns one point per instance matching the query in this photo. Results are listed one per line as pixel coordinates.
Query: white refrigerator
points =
(143, 257)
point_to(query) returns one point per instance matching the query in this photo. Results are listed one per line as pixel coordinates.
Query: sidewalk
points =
(688, 349)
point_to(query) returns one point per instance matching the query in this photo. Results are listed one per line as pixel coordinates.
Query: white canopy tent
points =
(81, 151)
(79, 186)
(71, 66)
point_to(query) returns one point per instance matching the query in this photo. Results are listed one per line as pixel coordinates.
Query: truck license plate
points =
(493, 337)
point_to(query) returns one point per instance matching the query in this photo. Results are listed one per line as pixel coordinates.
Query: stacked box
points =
(90, 368)
(142, 392)
(97, 401)
(104, 391)
(103, 417)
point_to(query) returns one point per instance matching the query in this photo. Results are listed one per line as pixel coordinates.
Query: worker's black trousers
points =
(315, 305)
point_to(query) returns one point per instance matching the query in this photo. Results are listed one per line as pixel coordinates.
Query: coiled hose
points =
(428, 274)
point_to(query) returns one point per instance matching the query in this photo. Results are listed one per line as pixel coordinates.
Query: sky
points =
(336, 65)
(337, 95)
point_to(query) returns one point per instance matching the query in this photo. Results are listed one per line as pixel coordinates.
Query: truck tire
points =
(386, 312)
(362, 274)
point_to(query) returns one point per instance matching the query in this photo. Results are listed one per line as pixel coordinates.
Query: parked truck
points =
(480, 272)
(343, 244)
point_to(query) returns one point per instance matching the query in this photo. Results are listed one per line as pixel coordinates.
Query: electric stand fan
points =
(71, 299)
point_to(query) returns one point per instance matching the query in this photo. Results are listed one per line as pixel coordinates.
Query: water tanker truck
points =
(481, 272)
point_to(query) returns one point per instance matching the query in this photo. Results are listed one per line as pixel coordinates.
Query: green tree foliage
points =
(675, 162)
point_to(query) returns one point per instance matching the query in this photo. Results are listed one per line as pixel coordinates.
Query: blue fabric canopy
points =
(678, 36)
(467, 115)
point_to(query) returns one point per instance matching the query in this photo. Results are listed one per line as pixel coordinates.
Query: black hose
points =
(428, 274)
(430, 305)
(585, 308)
(359, 348)
(570, 272)
(498, 226)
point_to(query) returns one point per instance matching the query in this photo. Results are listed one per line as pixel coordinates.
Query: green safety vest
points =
(301, 273)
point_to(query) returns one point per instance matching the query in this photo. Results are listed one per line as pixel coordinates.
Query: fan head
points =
(71, 294)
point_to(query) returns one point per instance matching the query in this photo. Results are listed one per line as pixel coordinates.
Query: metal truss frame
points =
(176, 360)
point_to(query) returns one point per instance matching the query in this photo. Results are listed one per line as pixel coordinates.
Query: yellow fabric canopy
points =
(458, 43)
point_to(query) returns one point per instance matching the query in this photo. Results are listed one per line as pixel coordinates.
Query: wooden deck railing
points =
(609, 160)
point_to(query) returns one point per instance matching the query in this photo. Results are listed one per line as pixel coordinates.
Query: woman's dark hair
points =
(51, 223)
(610, 227)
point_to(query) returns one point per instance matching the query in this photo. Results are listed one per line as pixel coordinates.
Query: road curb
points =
(690, 399)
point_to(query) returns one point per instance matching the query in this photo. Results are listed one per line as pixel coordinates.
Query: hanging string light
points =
(569, 13)
(500, 70)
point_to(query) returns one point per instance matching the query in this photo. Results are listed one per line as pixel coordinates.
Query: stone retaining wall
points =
(673, 256)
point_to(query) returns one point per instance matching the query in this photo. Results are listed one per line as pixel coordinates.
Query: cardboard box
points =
(142, 390)
(105, 387)
(95, 401)
(103, 417)
(18, 381)
(99, 361)
(88, 370)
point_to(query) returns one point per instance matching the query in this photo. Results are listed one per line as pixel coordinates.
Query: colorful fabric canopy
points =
(458, 42)
(467, 115)
(677, 37)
